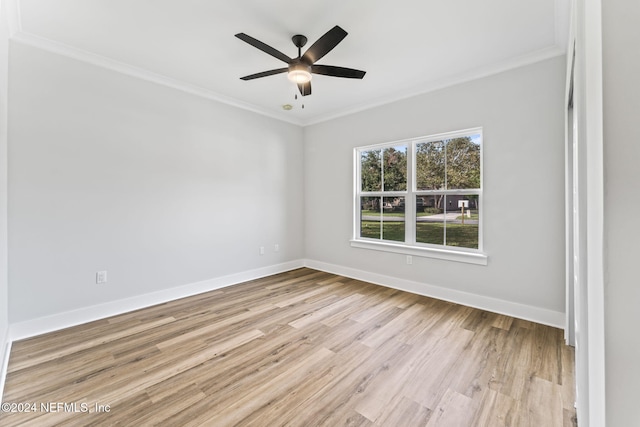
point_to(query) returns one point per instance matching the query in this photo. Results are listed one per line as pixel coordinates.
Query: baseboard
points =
(495, 305)
(42, 325)
(6, 350)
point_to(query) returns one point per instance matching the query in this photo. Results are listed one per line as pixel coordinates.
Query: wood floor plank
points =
(287, 409)
(502, 322)
(395, 327)
(391, 381)
(324, 312)
(329, 407)
(301, 348)
(266, 392)
(44, 355)
(495, 410)
(405, 412)
(541, 394)
(388, 298)
(438, 369)
(454, 409)
(214, 327)
(301, 296)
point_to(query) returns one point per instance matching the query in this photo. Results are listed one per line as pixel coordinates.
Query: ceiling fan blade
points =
(304, 88)
(324, 44)
(264, 47)
(330, 70)
(265, 74)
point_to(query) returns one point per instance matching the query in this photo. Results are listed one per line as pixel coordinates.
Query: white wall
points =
(4, 287)
(621, 69)
(521, 112)
(158, 187)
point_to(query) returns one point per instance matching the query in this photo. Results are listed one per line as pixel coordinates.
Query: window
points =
(422, 197)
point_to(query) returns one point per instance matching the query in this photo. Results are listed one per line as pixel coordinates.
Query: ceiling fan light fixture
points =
(299, 69)
(299, 76)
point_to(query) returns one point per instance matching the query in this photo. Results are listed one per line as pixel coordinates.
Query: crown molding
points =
(130, 70)
(427, 87)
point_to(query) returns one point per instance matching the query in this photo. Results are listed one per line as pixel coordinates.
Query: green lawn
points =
(465, 236)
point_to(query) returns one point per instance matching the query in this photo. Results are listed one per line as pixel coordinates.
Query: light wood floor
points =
(303, 348)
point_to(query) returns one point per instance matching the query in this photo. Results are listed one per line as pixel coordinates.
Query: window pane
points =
(370, 217)
(393, 219)
(430, 219)
(382, 218)
(463, 162)
(462, 221)
(395, 168)
(430, 168)
(371, 170)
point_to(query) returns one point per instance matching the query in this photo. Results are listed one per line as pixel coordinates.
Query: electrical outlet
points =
(101, 277)
(409, 260)
(276, 248)
(261, 250)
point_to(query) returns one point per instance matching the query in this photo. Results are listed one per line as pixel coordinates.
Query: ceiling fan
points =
(300, 69)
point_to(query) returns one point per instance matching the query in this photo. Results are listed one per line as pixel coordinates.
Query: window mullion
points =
(446, 196)
(382, 170)
(410, 199)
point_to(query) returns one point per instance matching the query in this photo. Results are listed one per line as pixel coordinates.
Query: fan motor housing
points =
(299, 40)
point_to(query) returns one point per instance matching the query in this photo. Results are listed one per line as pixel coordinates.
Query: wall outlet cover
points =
(101, 277)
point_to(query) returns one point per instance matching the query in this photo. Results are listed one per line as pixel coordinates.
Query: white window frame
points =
(410, 246)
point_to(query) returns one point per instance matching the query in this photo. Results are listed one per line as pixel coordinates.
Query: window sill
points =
(477, 258)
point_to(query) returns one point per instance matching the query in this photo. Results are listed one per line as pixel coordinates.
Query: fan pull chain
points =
(295, 96)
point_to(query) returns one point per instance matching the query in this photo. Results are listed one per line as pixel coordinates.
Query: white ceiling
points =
(407, 47)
